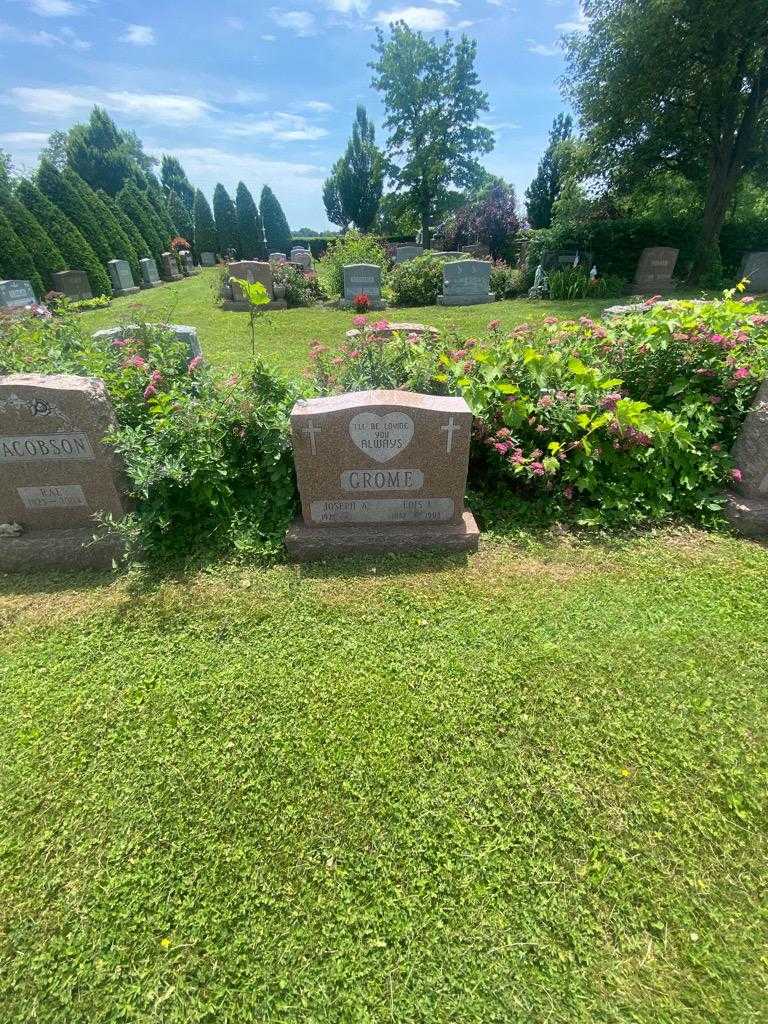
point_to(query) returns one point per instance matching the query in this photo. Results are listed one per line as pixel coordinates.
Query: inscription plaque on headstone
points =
(379, 471)
(74, 284)
(55, 471)
(755, 267)
(16, 294)
(654, 270)
(362, 279)
(466, 283)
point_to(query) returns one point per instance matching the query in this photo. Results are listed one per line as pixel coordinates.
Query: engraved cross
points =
(450, 429)
(311, 430)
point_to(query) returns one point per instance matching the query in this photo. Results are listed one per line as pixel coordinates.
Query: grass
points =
(284, 337)
(527, 788)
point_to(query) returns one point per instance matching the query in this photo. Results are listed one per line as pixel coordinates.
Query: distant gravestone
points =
(149, 275)
(466, 283)
(208, 259)
(476, 249)
(747, 508)
(16, 294)
(381, 471)
(301, 256)
(755, 267)
(188, 263)
(654, 270)
(278, 257)
(362, 279)
(183, 332)
(170, 268)
(73, 284)
(449, 254)
(121, 277)
(252, 271)
(403, 253)
(56, 472)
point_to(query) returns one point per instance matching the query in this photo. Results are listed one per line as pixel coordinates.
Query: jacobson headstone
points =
(121, 277)
(183, 333)
(170, 268)
(56, 472)
(755, 267)
(466, 283)
(149, 275)
(73, 284)
(654, 270)
(403, 253)
(208, 259)
(16, 294)
(362, 279)
(747, 508)
(381, 471)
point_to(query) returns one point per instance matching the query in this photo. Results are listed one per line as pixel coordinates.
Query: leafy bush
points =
(575, 283)
(419, 281)
(506, 282)
(349, 248)
(39, 245)
(15, 261)
(300, 289)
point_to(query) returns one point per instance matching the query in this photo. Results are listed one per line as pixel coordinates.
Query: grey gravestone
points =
(208, 259)
(654, 270)
(56, 472)
(170, 268)
(121, 277)
(251, 271)
(466, 283)
(188, 263)
(362, 279)
(755, 267)
(183, 332)
(403, 253)
(747, 509)
(74, 284)
(301, 256)
(381, 471)
(278, 257)
(149, 275)
(15, 294)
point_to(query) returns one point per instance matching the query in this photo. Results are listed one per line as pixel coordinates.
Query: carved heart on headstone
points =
(381, 437)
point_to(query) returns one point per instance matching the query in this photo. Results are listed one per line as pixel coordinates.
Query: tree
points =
(226, 221)
(678, 85)
(334, 207)
(249, 226)
(276, 229)
(55, 149)
(6, 167)
(545, 187)
(99, 153)
(159, 203)
(120, 242)
(360, 174)
(15, 261)
(174, 179)
(42, 249)
(136, 238)
(493, 218)
(138, 209)
(432, 100)
(61, 189)
(396, 217)
(181, 218)
(205, 226)
(76, 251)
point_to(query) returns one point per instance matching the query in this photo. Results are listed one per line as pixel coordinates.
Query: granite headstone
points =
(121, 277)
(403, 253)
(755, 267)
(74, 284)
(466, 283)
(16, 294)
(654, 270)
(208, 259)
(278, 257)
(381, 471)
(252, 271)
(747, 507)
(362, 279)
(170, 268)
(183, 332)
(149, 275)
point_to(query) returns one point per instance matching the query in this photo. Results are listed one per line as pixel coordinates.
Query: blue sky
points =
(263, 91)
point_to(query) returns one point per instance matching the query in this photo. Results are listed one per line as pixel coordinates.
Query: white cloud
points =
(579, 23)
(24, 140)
(318, 106)
(165, 108)
(54, 8)
(464, 24)
(235, 24)
(348, 6)
(269, 38)
(64, 37)
(139, 35)
(47, 101)
(426, 19)
(300, 22)
(542, 49)
(447, 3)
(280, 127)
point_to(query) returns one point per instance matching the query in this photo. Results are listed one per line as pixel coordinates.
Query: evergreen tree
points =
(334, 207)
(205, 226)
(76, 251)
(276, 229)
(249, 225)
(137, 208)
(132, 232)
(181, 218)
(226, 220)
(360, 174)
(120, 243)
(541, 194)
(159, 202)
(174, 179)
(57, 185)
(45, 254)
(99, 153)
(15, 261)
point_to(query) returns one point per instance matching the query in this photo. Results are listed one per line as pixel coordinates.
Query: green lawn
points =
(527, 788)
(285, 337)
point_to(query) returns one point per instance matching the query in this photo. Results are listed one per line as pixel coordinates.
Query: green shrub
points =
(226, 222)
(276, 230)
(60, 188)
(205, 226)
(349, 248)
(250, 229)
(122, 244)
(181, 218)
(15, 261)
(506, 282)
(137, 208)
(38, 243)
(300, 289)
(153, 190)
(419, 281)
(132, 233)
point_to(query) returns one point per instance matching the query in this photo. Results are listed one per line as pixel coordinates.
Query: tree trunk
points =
(720, 192)
(426, 235)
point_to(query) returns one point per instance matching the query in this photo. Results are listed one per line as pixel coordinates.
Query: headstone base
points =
(313, 543)
(230, 306)
(748, 516)
(151, 284)
(117, 292)
(372, 304)
(465, 300)
(60, 549)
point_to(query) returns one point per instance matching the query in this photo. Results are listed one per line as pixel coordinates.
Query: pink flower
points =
(600, 332)
(494, 325)
(150, 391)
(714, 399)
(568, 492)
(517, 457)
(354, 353)
(550, 320)
(337, 360)
(759, 319)
(193, 364)
(136, 361)
(736, 475)
(502, 447)
(414, 338)
(741, 373)
(380, 326)
(119, 342)
(746, 299)
(610, 400)
(155, 377)
(359, 322)
(717, 339)
(546, 401)
(537, 469)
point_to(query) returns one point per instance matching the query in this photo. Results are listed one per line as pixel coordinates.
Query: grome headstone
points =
(74, 284)
(755, 267)
(149, 275)
(16, 294)
(56, 473)
(234, 299)
(208, 259)
(466, 283)
(381, 471)
(170, 268)
(403, 253)
(183, 332)
(121, 277)
(654, 270)
(362, 279)
(747, 507)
